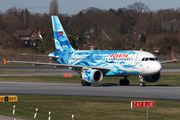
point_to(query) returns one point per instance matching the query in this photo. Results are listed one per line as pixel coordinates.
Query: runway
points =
(49, 70)
(96, 90)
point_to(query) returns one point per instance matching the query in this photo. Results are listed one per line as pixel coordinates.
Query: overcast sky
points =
(72, 7)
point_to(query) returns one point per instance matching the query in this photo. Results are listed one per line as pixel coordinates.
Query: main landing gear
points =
(84, 83)
(124, 81)
(142, 83)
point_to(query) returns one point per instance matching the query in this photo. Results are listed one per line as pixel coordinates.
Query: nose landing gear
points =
(124, 81)
(142, 83)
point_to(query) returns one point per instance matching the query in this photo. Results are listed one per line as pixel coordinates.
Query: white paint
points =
(35, 113)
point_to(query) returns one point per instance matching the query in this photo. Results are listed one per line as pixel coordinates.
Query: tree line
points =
(133, 27)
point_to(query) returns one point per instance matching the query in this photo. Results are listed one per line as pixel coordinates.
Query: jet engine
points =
(152, 78)
(92, 75)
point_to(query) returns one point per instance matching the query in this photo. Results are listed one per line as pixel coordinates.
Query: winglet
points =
(174, 59)
(4, 61)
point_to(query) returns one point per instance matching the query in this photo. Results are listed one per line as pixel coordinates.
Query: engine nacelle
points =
(92, 75)
(152, 78)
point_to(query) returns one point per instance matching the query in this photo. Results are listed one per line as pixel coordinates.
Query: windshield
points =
(149, 59)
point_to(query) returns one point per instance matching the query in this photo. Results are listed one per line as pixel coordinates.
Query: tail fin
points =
(61, 41)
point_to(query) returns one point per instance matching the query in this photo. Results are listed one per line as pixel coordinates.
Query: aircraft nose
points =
(157, 67)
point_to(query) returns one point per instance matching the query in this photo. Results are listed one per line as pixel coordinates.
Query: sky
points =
(72, 7)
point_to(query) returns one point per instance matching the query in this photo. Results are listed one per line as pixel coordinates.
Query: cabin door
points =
(133, 60)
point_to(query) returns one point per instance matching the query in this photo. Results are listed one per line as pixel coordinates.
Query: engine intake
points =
(152, 78)
(92, 75)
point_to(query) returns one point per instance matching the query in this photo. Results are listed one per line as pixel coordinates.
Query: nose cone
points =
(157, 67)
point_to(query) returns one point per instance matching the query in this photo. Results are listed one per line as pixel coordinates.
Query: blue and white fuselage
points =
(119, 62)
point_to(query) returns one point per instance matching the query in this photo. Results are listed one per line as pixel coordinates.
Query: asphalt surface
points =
(9, 118)
(100, 90)
(96, 90)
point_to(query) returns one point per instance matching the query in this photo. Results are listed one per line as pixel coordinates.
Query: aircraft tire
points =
(142, 84)
(83, 83)
(88, 84)
(126, 82)
(122, 82)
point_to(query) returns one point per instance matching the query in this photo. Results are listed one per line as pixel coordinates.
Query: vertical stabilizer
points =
(61, 41)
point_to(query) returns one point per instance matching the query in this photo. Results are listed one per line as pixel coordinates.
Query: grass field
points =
(88, 108)
(12, 72)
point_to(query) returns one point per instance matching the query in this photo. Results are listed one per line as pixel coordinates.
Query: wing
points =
(104, 69)
(41, 55)
(174, 60)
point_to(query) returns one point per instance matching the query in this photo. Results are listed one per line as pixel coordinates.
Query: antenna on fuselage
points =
(140, 49)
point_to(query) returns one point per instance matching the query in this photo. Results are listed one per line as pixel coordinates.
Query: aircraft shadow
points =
(115, 84)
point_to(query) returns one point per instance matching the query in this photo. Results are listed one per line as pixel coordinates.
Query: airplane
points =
(93, 65)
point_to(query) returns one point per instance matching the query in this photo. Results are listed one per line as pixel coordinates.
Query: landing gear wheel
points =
(142, 84)
(121, 82)
(126, 82)
(83, 83)
(88, 84)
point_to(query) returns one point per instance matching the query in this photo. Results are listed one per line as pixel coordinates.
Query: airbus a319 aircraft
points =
(93, 65)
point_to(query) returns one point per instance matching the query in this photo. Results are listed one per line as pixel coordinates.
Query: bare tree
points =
(53, 9)
(139, 7)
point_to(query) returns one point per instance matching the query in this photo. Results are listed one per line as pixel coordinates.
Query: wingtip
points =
(4, 61)
(174, 58)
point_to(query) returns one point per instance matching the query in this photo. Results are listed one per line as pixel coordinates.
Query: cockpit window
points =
(146, 59)
(149, 59)
(156, 59)
(152, 59)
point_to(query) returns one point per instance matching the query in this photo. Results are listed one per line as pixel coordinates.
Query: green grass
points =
(88, 108)
(166, 79)
(12, 72)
